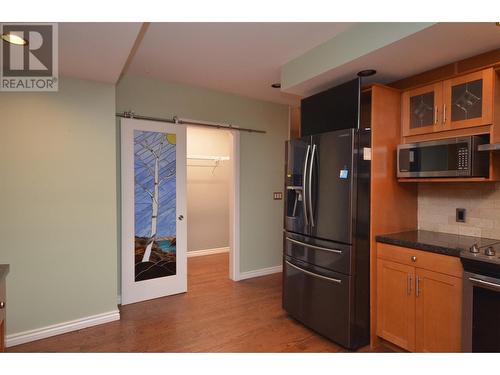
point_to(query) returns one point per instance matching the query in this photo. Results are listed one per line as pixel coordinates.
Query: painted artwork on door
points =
(154, 205)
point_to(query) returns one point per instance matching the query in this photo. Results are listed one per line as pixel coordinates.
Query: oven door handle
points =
(486, 284)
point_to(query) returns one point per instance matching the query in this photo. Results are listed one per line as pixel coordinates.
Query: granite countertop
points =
(4, 270)
(435, 242)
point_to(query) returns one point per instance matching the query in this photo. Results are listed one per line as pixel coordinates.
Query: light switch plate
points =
(277, 195)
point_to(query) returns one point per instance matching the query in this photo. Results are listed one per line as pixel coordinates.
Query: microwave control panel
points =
(463, 159)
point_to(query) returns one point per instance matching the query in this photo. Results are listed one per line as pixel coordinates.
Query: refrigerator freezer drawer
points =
(320, 301)
(326, 254)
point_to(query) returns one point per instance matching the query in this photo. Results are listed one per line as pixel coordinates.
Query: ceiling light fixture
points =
(367, 73)
(498, 24)
(14, 39)
(276, 85)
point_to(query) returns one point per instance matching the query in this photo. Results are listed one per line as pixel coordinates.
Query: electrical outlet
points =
(460, 215)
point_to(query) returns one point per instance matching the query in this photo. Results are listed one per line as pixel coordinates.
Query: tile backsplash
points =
(437, 204)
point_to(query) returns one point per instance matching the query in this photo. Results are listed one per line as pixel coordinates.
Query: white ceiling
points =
(238, 58)
(430, 48)
(246, 58)
(95, 51)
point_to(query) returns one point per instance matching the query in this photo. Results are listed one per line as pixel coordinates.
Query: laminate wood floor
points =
(215, 315)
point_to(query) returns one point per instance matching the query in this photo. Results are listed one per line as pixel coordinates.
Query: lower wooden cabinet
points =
(418, 309)
(2, 314)
(4, 269)
(396, 304)
(2, 335)
(438, 301)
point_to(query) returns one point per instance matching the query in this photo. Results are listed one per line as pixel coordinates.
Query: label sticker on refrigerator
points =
(344, 174)
(367, 153)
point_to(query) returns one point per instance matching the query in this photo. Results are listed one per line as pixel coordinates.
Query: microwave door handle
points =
(309, 190)
(304, 184)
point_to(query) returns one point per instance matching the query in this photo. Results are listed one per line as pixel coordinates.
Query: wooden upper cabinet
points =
(457, 103)
(421, 110)
(438, 312)
(468, 100)
(396, 303)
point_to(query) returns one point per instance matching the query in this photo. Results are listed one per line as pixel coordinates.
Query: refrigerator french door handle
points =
(309, 190)
(304, 184)
(338, 281)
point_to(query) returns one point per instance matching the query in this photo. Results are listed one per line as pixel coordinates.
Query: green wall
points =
(58, 216)
(261, 155)
(353, 43)
(59, 164)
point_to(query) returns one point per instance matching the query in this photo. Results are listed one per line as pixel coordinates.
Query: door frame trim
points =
(234, 208)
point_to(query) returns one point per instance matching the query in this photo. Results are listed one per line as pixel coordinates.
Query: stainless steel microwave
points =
(453, 157)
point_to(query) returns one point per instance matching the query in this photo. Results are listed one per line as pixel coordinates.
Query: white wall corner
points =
(260, 272)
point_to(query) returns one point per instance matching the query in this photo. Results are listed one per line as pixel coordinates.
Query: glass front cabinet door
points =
(421, 110)
(468, 100)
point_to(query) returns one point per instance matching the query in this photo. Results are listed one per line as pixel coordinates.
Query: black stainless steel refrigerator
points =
(326, 237)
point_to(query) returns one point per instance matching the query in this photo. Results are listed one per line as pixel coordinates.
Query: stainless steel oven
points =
(481, 300)
(453, 157)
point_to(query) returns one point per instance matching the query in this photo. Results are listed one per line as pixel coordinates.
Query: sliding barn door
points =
(153, 190)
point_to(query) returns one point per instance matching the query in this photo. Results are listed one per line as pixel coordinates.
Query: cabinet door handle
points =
(436, 111)
(444, 114)
(408, 285)
(417, 287)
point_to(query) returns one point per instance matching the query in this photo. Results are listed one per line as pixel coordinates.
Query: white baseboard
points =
(58, 329)
(198, 253)
(261, 272)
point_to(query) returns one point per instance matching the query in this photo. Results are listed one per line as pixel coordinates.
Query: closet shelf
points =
(208, 157)
(214, 161)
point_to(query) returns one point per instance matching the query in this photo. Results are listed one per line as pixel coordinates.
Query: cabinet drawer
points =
(326, 254)
(444, 264)
(318, 301)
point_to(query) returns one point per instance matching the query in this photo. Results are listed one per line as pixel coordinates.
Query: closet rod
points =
(180, 121)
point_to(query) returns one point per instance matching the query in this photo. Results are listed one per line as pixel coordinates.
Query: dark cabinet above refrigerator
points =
(333, 109)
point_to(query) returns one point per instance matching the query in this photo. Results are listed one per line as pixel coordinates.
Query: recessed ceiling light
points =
(276, 85)
(14, 39)
(367, 73)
